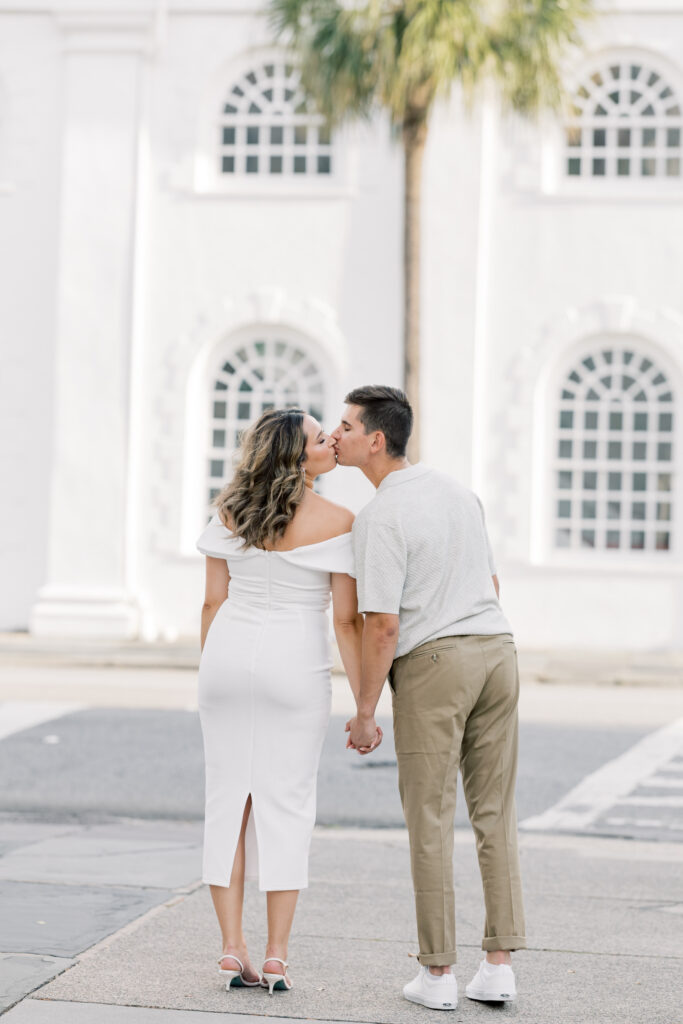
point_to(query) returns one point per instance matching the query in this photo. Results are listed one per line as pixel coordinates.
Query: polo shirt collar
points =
(403, 476)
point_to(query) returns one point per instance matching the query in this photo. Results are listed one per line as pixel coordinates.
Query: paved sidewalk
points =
(604, 915)
(603, 921)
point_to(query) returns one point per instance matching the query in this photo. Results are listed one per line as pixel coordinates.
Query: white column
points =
(88, 586)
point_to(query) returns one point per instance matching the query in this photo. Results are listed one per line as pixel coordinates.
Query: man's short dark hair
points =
(386, 409)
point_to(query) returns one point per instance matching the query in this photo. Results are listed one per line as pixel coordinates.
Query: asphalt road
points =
(98, 764)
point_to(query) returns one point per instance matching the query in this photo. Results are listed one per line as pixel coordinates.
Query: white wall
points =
(567, 267)
(30, 115)
(326, 262)
(515, 272)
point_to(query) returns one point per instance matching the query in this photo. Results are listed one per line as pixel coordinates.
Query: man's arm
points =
(380, 636)
(496, 584)
(381, 558)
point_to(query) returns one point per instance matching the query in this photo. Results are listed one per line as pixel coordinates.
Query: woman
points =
(275, 550)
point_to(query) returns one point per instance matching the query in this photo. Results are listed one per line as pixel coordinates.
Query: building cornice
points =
(93, 31)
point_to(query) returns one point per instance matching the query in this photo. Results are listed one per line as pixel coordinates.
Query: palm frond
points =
(529, 48)
(335, 50)
(402, 54)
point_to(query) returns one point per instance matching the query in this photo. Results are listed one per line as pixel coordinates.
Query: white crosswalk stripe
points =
(657, 824)
(653, 801)
(16, 715)
(653, 763)
(664, 782)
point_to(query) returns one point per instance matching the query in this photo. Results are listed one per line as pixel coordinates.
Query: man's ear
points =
(378, 442)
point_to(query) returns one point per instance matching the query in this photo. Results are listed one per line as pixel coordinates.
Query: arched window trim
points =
(545, 441)
(305, 327)
(219, 326)
(554, 179)
(208, 180)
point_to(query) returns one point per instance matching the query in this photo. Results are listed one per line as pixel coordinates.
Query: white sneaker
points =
(493, 983)
(438, 992)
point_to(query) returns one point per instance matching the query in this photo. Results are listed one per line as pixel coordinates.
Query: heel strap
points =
(231, 956)
(275, 960)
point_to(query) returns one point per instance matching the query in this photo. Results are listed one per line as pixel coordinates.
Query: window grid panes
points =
(268, 130)
(266, 373)
(626, 123)
(613, 454)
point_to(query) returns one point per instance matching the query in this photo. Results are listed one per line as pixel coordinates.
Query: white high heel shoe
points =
(235, 978)
(273, 981)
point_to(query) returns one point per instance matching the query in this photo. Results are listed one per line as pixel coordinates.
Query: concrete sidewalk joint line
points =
(38, 1011)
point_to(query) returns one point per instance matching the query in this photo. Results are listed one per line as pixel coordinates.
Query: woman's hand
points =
(364, 734)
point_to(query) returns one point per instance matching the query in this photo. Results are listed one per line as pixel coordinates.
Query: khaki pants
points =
(455, 707)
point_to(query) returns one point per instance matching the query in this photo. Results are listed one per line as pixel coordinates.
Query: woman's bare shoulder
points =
(333, 518)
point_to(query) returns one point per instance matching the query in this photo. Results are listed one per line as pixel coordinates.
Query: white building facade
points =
(184, 243)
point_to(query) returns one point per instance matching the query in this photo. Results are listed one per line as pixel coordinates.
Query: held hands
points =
(364, 735)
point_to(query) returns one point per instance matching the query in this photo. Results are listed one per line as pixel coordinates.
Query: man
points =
(433, 624)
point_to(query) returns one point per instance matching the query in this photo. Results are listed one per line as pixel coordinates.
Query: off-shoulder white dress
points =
(264, 704)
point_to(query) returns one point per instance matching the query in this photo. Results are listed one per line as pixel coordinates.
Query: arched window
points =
(266, 373)
(268, 129)
(613, 464)
(626, 123)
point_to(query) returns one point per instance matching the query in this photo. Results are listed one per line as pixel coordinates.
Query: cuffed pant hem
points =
(504, 943)
(437, 959)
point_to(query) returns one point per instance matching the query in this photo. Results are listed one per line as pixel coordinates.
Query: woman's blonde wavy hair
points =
(269, 483)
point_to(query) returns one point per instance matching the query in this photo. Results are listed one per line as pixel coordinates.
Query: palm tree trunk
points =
(414, 140)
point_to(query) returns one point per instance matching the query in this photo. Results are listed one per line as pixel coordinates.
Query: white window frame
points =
(224, 394)
(556, 181)
(210, 181)
(202, 394)
(544, 550)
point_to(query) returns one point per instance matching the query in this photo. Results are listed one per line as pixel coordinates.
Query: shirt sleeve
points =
(380, 557)
(492, 564)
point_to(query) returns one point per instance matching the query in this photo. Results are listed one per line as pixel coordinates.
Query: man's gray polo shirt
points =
(421, 552)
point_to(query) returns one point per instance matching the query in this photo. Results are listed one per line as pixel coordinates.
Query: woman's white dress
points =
(264, 704)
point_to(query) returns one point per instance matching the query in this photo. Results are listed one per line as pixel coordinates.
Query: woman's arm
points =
(348, 626)
(217, 583)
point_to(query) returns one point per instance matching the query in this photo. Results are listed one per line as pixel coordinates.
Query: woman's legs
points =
(281, 907)
(228, 903)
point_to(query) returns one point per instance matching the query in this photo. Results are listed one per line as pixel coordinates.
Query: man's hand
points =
(364, 735)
